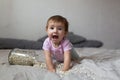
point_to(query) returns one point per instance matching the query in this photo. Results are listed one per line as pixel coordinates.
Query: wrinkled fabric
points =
(95, 64)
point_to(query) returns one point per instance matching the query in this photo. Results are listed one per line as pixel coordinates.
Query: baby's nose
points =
(55, 30)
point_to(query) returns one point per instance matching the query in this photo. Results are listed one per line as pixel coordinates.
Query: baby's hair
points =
(58, 18)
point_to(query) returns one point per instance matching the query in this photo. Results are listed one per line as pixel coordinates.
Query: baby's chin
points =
(55, 41)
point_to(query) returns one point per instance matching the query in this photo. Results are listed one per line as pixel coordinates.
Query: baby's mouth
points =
(55, 36)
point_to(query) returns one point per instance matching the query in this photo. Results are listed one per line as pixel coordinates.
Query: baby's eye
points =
(51, 27)
(60, 28)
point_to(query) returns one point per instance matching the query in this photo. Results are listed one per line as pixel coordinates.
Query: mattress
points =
(95, 64)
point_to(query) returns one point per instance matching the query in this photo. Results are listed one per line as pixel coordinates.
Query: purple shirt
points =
(57, 53)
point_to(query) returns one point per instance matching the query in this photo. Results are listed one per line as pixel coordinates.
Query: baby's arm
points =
(67, 60)
(49, 63)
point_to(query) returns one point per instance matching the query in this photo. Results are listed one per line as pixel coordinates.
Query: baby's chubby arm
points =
(49, 63)
(67, 60)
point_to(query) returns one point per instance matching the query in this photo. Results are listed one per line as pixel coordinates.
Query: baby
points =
(56, 46)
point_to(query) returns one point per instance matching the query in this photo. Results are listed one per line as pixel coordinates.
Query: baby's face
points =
(56, 31)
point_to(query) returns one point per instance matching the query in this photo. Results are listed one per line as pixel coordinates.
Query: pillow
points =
(8, 43)
(89, 43)
(72, 37)
(28, 44)
(75, 38)
(42, 39)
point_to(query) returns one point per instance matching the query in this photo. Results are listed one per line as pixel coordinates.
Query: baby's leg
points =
(74, 56)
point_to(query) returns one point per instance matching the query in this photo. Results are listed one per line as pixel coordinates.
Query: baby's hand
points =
(52, 70)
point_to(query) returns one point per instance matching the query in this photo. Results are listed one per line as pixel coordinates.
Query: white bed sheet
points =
(96, 64)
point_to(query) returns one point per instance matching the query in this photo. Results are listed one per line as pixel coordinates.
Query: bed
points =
(95, 64)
